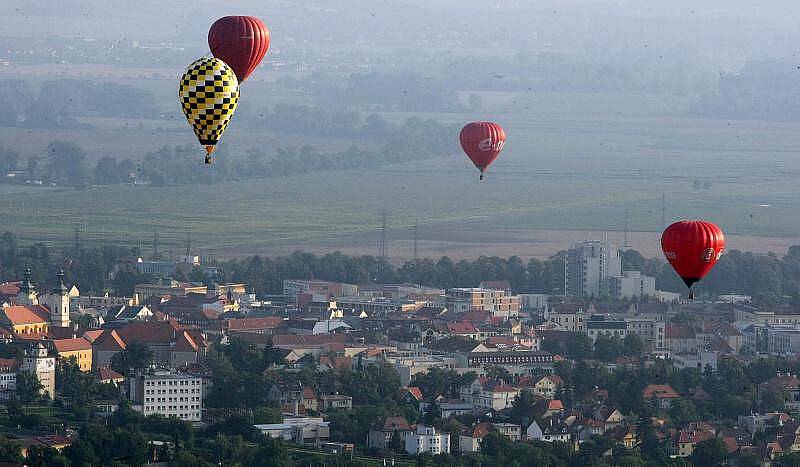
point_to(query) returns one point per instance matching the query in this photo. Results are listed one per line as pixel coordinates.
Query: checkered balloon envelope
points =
(209, 92)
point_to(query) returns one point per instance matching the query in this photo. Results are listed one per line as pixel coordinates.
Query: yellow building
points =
(79, 348)
(25, 320)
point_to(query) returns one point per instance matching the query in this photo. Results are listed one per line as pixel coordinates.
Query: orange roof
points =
(92, 334)
(463, 327)
(308, 393)
(481, 430)
(7, 364)
(109, 340)
(71, 345)
(416, 392)
(555, 404)
(18, 314)
(9, 288)
(660, 391)
(106, 373)
(252, 324)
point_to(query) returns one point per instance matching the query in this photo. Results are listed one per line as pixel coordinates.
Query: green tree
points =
(136, 356)
(29, 389)
(523, 408)
(67, 163)
(10, 451)
(711, 452)
(433, 414)
(632, 345)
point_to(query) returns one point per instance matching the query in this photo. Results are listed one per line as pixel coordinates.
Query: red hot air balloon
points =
(239, 41)
(692, 248)
(482, 141)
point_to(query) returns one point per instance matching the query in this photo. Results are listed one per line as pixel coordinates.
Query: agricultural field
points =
(562, 177)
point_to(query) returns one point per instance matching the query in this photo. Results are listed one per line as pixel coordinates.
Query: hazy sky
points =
(724, 33)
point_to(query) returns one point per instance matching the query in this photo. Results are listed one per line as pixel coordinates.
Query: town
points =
(405, 373)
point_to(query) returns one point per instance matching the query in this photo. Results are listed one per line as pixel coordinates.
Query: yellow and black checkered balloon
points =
(209, 92)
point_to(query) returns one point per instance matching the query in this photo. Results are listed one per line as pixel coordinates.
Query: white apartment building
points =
(589, 267)
(169, 394)
(427, 441)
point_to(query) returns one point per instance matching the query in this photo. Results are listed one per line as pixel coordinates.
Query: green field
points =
(557, 173)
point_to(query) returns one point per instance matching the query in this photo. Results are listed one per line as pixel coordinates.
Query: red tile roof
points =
(8, 364)
(679, 331)
(254, 324)
(71, 345)
(19, 314)
(555, 404)
(398, 423)
(309, 341)
(462, 327)
(480, 430)
(660, 391)
(92, 334)
(107, 374)
(109, 340)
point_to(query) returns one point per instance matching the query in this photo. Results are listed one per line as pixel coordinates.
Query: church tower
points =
(27, 293)
(57, 301)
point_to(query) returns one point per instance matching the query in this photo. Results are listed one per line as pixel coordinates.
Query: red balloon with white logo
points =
(239, 41)
(692, 248)
(482, 141)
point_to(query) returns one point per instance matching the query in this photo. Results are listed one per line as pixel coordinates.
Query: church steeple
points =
(60, 286)
(26, 287)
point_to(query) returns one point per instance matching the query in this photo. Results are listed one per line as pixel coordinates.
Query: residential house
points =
(304, 431)
(661, 394)
(77, 348)
(510, 430)
(335, 402)
(427, 440)
(471, 438)
(380, 437)
(490, 394)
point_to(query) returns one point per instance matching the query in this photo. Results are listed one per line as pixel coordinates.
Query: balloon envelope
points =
(692, 248)
(239, 41)
(208, 93)
(482, 142)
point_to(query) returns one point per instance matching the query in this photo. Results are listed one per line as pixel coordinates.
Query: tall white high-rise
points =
(590, 265)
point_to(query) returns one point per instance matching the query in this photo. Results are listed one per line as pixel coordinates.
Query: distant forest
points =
(414, 139)
(768, 278)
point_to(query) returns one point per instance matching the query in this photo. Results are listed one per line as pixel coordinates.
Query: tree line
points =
(768, 278)
(414, 139)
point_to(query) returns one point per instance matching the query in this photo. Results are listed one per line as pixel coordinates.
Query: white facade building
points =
(427, 441)
(632, 284)
(37, 362)
(169, 394)
(589, 267)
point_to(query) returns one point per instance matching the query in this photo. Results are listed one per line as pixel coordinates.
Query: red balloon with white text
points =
(692, 248)
(482, 141)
